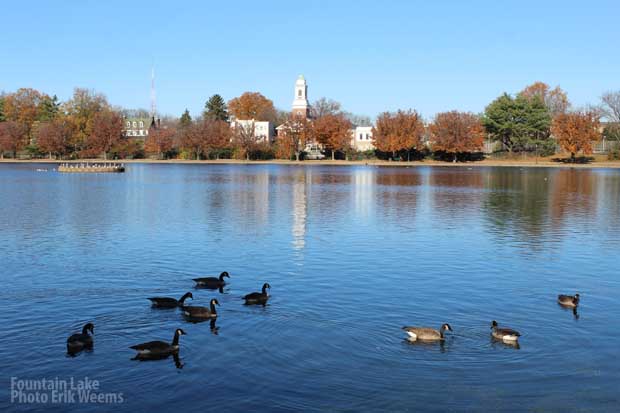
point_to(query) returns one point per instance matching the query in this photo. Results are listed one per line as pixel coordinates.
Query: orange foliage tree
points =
(217, 136)
(333, 131)
(394, 132)
(555, 99)
(252, 105)
(159, 142)
(23, 107)
(576, 131)
(457, 132)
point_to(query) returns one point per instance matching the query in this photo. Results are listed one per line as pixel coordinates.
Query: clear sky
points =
(371, 56)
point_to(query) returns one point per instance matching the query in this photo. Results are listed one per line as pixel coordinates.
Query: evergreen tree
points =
(48, 108)
(216, 109)
(185, 120)
(517, 122)
(2, 117)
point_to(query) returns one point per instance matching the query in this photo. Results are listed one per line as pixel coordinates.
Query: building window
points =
(361, 136)
(128, 124)
(135, 124)
(299, 93)
(367, 136)
(141, 124)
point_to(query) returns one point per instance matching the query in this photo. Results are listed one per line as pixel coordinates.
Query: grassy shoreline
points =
(540, 163)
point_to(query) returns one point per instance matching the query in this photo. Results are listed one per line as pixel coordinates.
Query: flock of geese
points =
(161, 349)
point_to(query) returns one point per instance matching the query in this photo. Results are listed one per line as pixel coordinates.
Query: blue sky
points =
(371, 56)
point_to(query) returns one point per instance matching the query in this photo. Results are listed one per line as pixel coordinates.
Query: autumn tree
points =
(53, 137)
(216, 109)
(13, 137)
(244, 139)
(292, 139)
(159, 142)
(217, 136)
(192, 139)
(576, 131)
(106, 133)
(457, 132)
(517, 122)
(253, 105)
(333, 131)
(80, 111)
(555, 99)
(23, 107)
(399, 131)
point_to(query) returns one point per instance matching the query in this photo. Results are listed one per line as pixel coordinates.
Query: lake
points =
(352, 254)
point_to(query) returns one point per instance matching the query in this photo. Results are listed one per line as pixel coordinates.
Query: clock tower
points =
(301, 107)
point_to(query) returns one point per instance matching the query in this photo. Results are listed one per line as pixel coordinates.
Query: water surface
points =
(352, 253)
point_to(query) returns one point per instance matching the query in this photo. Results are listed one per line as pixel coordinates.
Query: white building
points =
(362, 138)
(262, 131)
(301, 106)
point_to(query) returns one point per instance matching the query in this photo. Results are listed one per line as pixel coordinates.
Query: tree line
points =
(536, 119)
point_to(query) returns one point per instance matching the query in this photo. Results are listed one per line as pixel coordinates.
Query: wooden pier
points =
(91, 167)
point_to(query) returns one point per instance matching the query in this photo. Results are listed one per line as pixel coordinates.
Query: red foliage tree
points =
(53, 138)
(13, 137)
(107, 132)
(457, 132)
(159, 142)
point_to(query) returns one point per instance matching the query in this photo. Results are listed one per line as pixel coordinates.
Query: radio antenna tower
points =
(153, 97)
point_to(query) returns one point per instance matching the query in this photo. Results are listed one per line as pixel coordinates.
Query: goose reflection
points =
(571, 309)
(440, 344)
(178, 363)
(214, 329)
(506, 344)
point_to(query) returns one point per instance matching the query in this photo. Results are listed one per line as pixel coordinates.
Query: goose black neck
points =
(212, 305)
(185, 297)
(264, 289)
(222, 275)
(85, 330)
(175, 340)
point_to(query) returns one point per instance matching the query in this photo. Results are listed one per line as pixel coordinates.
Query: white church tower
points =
(301, 107)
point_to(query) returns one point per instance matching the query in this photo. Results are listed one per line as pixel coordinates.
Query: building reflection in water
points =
(300, 208)
(363, 192)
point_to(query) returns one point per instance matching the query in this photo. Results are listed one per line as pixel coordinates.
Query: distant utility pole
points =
(153, 98)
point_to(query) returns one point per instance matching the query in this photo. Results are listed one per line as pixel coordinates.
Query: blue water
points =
(352, 255)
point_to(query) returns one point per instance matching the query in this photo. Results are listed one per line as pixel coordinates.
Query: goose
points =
(258, 298)
(504, 333)
(426, 333)
(201, 312)
(167, 302)
(157, 349)
(212, 282)
(568, 300)
(78, 341)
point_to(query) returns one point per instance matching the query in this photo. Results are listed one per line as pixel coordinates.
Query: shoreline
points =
(543, 163)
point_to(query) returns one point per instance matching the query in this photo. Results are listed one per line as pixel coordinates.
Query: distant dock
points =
(90, 167)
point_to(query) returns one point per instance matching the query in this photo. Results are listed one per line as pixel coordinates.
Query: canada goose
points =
(76, 342)
(568, 300)
(157, 349)
(212, 282)
(426, 333)
(258, 298)
(504, 333)
(167, 302)
(201, 312)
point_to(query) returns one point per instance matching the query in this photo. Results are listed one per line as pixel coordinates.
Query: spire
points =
(153, 98)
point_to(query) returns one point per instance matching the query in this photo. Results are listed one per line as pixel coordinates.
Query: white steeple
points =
(300, 103)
